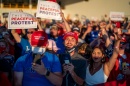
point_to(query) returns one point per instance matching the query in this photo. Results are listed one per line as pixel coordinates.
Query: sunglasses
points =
(30, 32)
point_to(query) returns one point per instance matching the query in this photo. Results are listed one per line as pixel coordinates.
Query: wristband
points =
(116, 47)
(47, 73)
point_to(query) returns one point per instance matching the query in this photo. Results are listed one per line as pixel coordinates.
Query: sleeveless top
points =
(97, 78)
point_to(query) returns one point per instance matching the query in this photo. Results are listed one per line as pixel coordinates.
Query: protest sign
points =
(48, 10)
(117, 16)
(21, 20)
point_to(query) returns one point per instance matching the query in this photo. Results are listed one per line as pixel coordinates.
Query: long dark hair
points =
(103, 59)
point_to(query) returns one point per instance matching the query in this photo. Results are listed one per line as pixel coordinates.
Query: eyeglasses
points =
(30, 32)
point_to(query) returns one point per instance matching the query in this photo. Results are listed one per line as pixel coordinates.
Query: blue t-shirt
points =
(59, 43)
(31, 77)
(93, 35)
(25, 46)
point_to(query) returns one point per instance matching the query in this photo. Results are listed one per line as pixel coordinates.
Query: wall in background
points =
(97, 8)
(89, 8)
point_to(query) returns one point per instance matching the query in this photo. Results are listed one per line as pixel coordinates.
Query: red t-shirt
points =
(116, 73)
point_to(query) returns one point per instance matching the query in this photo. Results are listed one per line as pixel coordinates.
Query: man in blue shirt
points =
(38, 68)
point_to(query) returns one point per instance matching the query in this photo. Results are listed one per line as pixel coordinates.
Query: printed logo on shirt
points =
(27, 48)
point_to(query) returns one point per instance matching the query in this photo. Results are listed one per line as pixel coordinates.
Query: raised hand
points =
(88, 30)
(117, 36)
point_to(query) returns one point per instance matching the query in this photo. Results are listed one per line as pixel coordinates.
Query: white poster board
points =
(117, 16)
(21, 20)
(48, 10)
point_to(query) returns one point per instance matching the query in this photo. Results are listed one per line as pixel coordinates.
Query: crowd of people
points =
(65, 53)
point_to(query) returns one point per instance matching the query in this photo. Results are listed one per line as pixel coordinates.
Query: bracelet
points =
(47, 73)
(116, 47)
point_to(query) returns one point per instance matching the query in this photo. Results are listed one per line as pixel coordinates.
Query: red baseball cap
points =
(39, 38)
(72, 34)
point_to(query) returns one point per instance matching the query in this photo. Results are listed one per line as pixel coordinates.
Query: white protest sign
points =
(117, 16)
(21, 20)
(48, 10)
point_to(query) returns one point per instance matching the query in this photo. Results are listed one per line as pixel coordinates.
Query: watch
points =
(47, 73)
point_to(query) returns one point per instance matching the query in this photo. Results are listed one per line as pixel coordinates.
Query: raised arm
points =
(68, 29)
(110, 64)
(39, 27)
(94, 42)
(104, 33)
(38, 24)
(16, 36)
(128, 26)
(86, 32)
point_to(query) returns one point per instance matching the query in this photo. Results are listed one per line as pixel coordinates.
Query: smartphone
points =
(66, 61)
(67, 58)
(37, 58)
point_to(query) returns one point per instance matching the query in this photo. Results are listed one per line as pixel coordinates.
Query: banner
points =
(48, 10)
(21, 20)
(117, 16)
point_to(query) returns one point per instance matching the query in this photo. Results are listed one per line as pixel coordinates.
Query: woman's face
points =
(97, 55)
(29, 33)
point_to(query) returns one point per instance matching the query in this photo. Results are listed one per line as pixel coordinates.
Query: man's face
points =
(54, 32)
(70, 42)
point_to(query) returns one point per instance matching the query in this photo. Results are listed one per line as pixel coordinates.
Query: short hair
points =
(54, 27)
